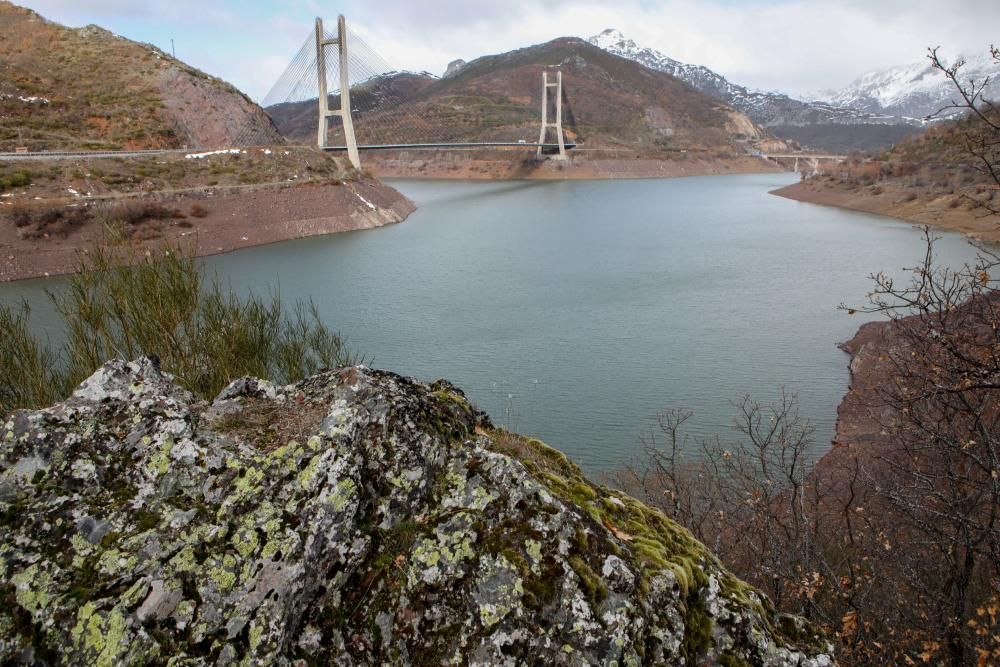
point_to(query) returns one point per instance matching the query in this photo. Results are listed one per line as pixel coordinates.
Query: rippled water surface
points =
(575, 311)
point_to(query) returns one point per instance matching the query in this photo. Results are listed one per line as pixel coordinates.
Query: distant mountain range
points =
(912, 92)
(767, 109)
(877, 110)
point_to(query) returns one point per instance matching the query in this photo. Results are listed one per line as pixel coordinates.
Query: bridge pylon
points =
(557, 125)
(344, 112)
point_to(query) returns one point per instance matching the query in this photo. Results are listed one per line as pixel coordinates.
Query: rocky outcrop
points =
(205, 111)
(357, 517)
(454, 67)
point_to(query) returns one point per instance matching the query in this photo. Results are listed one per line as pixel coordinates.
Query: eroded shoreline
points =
(500, 166)
(941, 214)
(232, 219)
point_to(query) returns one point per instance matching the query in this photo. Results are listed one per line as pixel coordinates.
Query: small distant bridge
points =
(810, 159)
(802, 156)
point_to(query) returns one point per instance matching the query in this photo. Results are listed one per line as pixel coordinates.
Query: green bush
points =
(19, 179)
(29, 372)
(124, 306)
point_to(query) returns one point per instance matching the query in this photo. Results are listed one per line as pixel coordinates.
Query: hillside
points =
(927, 179)
(610, 102)
(822, 125)
(69, 89)
(214, 202)
(357, 517)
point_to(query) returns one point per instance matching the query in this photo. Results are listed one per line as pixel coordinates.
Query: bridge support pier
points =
(557, 125)
(344, 112)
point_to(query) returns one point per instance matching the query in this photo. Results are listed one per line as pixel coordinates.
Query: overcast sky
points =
(796, 46)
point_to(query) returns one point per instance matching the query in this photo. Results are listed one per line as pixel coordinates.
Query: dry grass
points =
(114, 177)
(270, 424)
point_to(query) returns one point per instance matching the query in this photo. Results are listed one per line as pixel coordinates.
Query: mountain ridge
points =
(914, 91)
(840, 127)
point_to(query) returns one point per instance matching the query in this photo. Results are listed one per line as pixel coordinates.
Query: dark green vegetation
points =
(14, 179)
(123, 306)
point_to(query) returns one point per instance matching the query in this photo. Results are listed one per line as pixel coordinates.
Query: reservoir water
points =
(575, 311)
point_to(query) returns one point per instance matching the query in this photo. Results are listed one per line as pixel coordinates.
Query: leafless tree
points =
(894, 546)
(753, 501)
(938, 473)
(980, 129)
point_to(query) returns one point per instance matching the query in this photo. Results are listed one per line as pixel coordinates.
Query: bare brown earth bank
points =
(216, 221)
(860, 436)
(947, 211)
(861, 412)
(501, 165)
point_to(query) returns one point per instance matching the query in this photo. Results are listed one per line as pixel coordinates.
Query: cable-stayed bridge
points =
(362, 103)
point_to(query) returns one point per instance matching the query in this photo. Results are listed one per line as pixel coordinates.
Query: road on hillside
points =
(71, 155)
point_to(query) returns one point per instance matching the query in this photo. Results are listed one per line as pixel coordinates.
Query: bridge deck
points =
(491, 144)
(69, 155)
(803, 156)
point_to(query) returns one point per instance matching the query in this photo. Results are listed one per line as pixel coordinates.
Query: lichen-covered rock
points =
(356, 517)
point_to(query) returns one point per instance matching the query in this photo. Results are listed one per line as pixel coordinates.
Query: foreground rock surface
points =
(357, 517)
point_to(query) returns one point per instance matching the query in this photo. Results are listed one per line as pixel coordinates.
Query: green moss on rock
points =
(355, 517)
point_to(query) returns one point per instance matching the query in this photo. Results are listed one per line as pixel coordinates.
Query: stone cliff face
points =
(357, 517)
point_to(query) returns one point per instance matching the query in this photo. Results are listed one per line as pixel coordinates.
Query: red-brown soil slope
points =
(63, 88)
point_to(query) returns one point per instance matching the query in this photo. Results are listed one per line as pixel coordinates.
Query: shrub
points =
(20, 216)
(198, 211)
(29, 373)
(122, 305)
(19, 179)
(41, 222)
(135, 212)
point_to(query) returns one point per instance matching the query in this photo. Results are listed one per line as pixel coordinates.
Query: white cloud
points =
(75, 12)
(791, 45)
(795, 45)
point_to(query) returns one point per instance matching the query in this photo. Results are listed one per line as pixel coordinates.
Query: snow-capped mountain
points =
(767, 109)
(702, 78)
(913, 91)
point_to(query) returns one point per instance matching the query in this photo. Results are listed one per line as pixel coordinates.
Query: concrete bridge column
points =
(345, 90)
(557, 125)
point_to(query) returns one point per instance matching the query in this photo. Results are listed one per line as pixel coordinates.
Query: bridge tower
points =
(344, 112)
(557, 125)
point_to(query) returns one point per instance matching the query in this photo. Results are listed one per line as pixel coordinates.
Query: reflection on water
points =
(575, 311)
